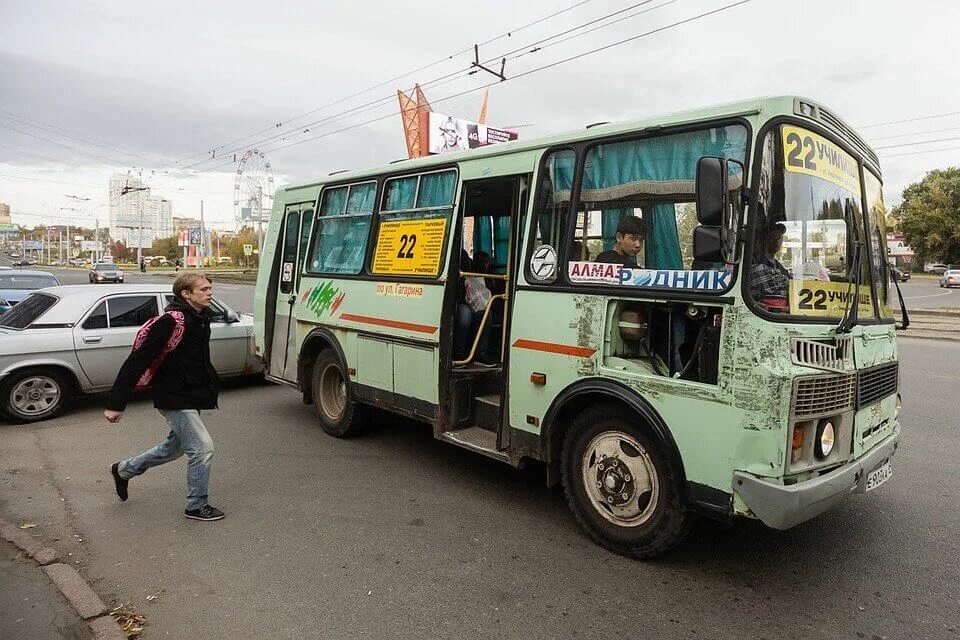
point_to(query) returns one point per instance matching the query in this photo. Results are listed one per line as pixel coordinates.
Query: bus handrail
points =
(483, 324)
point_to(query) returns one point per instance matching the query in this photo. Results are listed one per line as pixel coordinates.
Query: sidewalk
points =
(32, 607)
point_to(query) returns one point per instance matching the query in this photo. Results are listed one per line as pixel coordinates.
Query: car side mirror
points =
(707, 244)
(232, 316)
(719, 200)
(711, 190)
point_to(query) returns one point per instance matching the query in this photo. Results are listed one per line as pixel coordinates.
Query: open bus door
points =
(292, 247)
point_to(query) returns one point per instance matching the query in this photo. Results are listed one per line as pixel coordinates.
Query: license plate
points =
(878, 476)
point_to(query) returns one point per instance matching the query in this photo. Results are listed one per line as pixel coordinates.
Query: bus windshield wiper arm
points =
(852, 311)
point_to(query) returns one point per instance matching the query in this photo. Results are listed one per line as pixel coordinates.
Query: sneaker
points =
(206, 513)
(480, 362)
(119, 483)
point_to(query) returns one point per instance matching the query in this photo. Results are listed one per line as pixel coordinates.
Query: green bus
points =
(688, 314)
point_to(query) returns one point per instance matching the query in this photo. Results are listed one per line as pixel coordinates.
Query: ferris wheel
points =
(253, 189)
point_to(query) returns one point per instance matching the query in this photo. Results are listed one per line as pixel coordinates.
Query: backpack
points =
(172, 343)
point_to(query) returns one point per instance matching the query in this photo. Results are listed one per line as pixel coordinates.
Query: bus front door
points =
(293, 239)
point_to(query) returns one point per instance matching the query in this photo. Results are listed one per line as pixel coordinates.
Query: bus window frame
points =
(307, 271)
(751, 220)
(454, 208)
(582, 148)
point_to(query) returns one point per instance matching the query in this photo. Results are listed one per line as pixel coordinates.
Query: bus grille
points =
(823, 395)
(821, 354)
(877, 383)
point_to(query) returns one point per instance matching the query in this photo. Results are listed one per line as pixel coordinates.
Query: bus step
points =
(486, 412)
(478, 440)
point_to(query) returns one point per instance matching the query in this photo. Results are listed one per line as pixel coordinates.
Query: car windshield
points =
(807, 228)
(107, 267)
(21, 281)
(27, 312)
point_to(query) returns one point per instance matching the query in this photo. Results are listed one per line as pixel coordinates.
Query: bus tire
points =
(339, 416)
(621, 486)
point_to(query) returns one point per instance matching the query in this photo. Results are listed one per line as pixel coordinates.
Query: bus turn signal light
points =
(797, 452)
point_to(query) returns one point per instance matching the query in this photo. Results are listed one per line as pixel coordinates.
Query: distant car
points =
(950, 278)
(14, 254)
(936, 268)
(15, 285)
(105, 272)
(73, 339)
(899, 275)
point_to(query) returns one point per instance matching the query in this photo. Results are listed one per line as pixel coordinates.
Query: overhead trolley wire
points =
(514, 77)
(917, 119)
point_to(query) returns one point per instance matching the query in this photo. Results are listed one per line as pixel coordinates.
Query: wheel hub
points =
(615, 482)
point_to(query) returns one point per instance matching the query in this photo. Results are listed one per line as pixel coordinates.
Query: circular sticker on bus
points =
(543, 263)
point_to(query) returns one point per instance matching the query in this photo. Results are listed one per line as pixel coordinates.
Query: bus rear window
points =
(28, 311)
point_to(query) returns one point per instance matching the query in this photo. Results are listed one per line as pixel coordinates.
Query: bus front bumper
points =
(783, 506)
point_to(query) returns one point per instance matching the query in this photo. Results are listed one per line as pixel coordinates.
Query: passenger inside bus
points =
(469, 317)
(627, 244)
(770, 279)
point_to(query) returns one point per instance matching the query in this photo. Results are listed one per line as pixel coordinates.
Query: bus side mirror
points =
(707, 244)
(711, 190)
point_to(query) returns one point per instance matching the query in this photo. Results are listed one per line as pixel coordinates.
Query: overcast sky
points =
(154, 83)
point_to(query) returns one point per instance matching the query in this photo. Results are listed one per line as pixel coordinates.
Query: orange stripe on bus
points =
(393, 324)
(552, 347)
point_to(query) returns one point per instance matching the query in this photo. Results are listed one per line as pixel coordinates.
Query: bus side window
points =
(552, 208)
(341, 229)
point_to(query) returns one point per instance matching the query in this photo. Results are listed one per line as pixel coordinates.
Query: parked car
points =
(936, 268)
(950, 278)
(25, 262)
(105, 272)
(15, 285)
(72, 339)
(899, 275)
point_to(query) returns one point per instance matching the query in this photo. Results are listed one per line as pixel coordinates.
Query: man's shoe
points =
(119, 483)
(206, 513)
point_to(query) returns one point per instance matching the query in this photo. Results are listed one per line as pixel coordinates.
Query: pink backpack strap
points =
(173, 341)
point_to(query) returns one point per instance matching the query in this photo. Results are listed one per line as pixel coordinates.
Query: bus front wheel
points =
(339, 415)
(621, 486)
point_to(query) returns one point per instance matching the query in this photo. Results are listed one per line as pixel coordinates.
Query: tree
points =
(929, 216)
(166, 248)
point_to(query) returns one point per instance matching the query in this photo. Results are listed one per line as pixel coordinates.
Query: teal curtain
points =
(400, 194)
(437, 189)
(555, 192)
(663, 168)
(333, 201)
(501, 241)
(609, 219)
(361, 198)
(483, 234)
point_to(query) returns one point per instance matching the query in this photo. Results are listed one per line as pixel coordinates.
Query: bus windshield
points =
(809, 230)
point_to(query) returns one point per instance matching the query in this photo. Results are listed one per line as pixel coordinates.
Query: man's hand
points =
(112, 416)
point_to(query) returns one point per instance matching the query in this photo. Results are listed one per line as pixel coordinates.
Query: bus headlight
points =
(825, 440)
(896, 410)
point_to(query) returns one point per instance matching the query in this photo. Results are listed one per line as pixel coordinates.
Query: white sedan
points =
(65, 340)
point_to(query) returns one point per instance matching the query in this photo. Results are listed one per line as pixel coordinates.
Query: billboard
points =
(32, 245)
(90, 245)
(447, 134)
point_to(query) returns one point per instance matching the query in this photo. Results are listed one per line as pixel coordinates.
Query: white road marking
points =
(933, 295)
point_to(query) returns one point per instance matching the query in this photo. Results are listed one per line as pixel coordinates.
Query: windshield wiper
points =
(905, 318)
(852, 310)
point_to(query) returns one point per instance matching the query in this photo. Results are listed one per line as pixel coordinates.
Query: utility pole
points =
(202, 254)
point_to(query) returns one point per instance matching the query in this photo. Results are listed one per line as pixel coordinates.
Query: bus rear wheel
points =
(339, 415)
(620, 485)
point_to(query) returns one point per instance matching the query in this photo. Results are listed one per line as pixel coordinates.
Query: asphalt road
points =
(394, 534)
(925, 293)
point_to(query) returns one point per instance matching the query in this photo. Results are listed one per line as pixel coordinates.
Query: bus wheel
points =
(339, 416)
(621, 486)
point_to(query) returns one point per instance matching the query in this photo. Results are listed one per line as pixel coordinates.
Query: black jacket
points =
(186, 379)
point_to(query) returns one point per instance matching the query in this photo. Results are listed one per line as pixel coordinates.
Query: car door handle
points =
(92, 339)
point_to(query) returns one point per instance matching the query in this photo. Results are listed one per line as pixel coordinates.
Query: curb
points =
(71, 584)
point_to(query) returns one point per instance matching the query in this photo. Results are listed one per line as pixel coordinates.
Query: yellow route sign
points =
(814, 155)
(820, 298)
(410, 247)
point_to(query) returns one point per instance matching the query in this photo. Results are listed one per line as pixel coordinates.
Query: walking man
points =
(184, 384)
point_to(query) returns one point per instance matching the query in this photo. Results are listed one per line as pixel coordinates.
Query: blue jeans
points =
(187, 436)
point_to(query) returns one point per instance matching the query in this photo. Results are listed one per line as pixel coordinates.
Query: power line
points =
(60, 144)
(455, 95)
(917, 119)
(75, 184)
(913, 144)
(917, 133)
(385, 82)
(916, 153)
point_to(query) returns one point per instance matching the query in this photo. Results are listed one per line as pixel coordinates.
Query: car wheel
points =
(621, 486)
(30, 395)
(339, 416)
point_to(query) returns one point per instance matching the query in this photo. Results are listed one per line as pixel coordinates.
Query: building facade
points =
(137, 218)
(5, 213)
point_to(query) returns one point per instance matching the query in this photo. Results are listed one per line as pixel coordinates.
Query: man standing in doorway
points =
(629, 241)
(184, 384)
